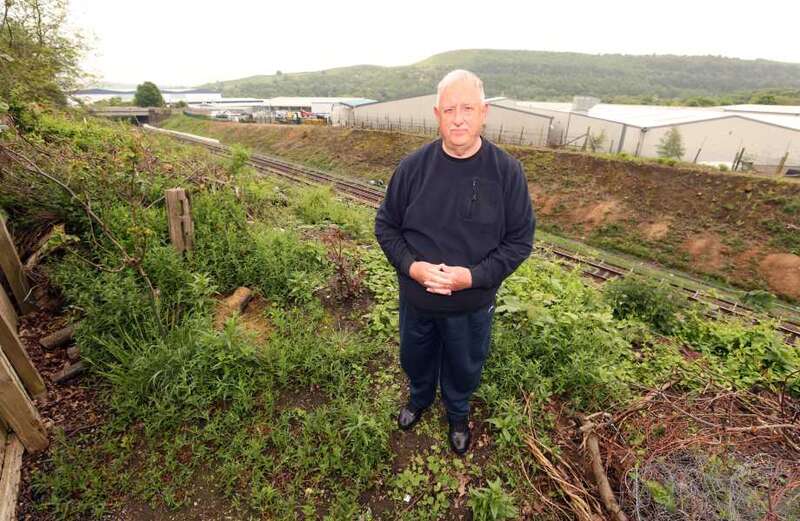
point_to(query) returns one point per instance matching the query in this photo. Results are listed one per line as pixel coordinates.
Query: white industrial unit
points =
(709, 135)
(503, 123)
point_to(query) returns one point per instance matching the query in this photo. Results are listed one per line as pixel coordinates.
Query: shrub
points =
(654, 303)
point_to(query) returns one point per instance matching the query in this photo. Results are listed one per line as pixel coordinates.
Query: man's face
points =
(461, 115)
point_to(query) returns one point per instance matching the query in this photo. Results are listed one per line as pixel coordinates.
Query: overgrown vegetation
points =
(296, 419)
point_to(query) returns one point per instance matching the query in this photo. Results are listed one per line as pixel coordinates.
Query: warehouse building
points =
(504, 123)
(765, 137)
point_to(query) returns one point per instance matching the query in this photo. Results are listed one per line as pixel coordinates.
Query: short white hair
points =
(456, 76)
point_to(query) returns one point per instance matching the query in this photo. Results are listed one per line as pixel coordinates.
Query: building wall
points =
(573, 126)
(516, 126)
(416, 111)
(720, 140)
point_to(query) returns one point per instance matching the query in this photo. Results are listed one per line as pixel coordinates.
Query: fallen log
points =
(58, 338)
(232, 304)
(69, 372)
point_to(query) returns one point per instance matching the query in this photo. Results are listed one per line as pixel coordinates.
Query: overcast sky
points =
(176, 42)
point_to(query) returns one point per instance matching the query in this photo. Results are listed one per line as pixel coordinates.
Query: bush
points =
(654, 303)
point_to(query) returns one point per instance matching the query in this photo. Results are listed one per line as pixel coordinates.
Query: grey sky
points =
(188, 43)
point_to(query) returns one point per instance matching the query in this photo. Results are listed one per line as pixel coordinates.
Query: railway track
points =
(364, 193)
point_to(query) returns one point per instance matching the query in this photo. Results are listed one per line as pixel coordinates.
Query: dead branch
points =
(600, 477)
(580, 500)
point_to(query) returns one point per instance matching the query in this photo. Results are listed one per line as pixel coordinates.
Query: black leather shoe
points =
(460, 436)
(408, 417)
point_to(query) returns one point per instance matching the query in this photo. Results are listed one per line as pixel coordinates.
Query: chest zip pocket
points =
(474, 198)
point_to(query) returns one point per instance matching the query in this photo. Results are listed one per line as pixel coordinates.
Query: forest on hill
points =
(693, 80)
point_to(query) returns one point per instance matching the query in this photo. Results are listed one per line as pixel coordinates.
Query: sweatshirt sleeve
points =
(517, 243)
(389, 222)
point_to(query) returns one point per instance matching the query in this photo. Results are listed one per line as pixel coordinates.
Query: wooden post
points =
(779, 170)
(10, 477)
(7, 308)
(18, 411)
(12, 269)
(19, 359)
(500, 135)
(521, 133)
(179, 217)
(586, 139)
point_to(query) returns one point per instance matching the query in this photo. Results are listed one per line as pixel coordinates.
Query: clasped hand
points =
(441, 278)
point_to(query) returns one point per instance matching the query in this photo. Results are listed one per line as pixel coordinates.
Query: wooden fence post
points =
(12, 269)
(18, 411)
(179, 217)
(779, 170)
(19, 359)
(11, 458)
(7, 308)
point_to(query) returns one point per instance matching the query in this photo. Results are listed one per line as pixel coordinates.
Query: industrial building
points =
(503, 123)
(762, 136)
(271, 108)
(766, 136)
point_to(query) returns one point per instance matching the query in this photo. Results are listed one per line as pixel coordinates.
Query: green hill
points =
(549, 75)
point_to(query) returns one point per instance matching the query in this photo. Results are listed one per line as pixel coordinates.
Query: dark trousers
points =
(449, 350)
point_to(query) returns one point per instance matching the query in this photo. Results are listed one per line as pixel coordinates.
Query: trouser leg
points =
(465, 346)
(420, 354)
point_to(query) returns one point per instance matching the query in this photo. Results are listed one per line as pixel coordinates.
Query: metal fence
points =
(497, 134)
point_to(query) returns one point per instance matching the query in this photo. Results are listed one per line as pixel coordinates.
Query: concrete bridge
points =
(140, 115)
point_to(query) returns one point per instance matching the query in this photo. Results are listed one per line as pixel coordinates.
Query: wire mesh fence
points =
(512, 135)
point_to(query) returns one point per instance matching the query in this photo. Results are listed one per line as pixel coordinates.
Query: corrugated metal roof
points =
(649, 116)
(791, 122)
(789, 110)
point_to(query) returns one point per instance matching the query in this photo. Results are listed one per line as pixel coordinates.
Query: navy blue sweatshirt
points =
(473, 212)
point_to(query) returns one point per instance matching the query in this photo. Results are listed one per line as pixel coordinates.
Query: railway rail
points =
(372, 196)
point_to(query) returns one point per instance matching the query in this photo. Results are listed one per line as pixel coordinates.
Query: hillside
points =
(545, 75)
(731, 227)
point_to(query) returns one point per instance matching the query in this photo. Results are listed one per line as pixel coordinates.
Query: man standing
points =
(456, 221)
